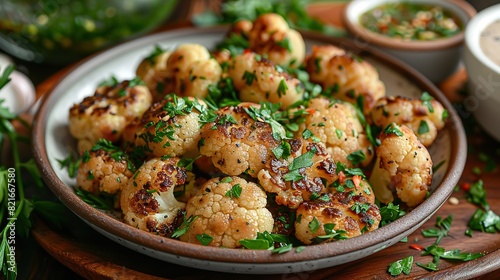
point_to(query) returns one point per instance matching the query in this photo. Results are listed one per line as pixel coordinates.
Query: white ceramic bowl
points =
(436, 59)
(484, 75)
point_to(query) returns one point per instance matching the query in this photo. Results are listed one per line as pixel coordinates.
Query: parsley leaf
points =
(102, 201)
(183, 228)
(390, 213)
(392, 128)
(282, 88)
(426, 100)
(423, 128)
(234, 192)
(442, 230)
(356, 157)
(477, 195)
(401, 266)
(204, 239)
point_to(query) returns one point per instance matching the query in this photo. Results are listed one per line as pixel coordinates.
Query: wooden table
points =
(90, 255)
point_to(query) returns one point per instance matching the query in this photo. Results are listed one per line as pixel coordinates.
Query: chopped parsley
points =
(423, 128)
(249, 78)
(401, 266)
(285, 43)
(282, 88)
(101, 201)
(183, 228)
(234, 192)
(392, 128)
(283, 151)
(314, 225)
(443, 226)
(427, 101)
(356, 157)
(204, 239)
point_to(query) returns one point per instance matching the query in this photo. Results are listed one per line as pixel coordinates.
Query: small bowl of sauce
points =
(425, 34)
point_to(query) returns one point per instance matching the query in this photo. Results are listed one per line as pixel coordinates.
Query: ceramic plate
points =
(54, 142)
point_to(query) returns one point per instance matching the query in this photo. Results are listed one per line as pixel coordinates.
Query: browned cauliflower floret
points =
(104, 169)
(336, 216)
(148, 201)
(270, 35)
(300, 176)
(153, 71)
(347, 77)
(425, 117)
(227, 210)
(241, 27)
(403, 167)
(170, 127)
(191, 70)
(108, 111)
(236, 142)
(336, 125)
(258, 79)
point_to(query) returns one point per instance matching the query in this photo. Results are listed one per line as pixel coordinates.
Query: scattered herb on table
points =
(443, 226)
(401, 266)
(476, 194)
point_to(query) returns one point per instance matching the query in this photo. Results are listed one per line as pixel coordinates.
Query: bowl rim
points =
(313, 252)
(473, 33)
(353, 10)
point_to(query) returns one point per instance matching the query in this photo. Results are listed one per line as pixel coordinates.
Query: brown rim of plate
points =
(313, 252)
(359, 32)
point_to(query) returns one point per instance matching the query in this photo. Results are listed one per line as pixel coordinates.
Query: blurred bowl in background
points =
(482, 62)
(62, 31)
(424, 42)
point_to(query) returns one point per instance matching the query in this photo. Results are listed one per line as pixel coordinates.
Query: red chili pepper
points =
(465, 186)
(417, 247)
(342, 177)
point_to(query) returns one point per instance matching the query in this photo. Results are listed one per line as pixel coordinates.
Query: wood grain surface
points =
(92, 256)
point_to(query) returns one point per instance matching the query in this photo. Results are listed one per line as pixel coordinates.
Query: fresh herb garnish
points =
(427, 101)
(477, 195)
(234, 192)
(204, 239)
(356, 157)
(401, 266)
(183, 228)
(423, 128)
(101, 201)
(392, 128)
(443, 226)
(390, 213)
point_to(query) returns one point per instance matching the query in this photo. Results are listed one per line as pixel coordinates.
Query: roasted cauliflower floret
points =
(336, 125)
(106, 113)
(258, 79)
(425, 117)
(227, 210)
(148, 201)
(336, 216)
(191, 70)
(170, 127)
(347, 77)
(236, 142)
(241, 27)
(153, 71)
(300, 176)
(104, 169)
(403, 167)
(271, 35)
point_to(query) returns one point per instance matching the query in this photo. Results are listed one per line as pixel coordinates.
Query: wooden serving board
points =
(90, 255)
